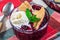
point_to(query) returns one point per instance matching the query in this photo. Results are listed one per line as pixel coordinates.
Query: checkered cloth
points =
(8, 33)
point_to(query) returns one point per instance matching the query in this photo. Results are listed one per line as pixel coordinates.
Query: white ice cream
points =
(19, 18)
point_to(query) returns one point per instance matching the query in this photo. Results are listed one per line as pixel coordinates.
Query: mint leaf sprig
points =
(32, 18)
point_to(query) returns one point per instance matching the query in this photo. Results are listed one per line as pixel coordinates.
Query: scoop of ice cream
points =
(19, 18)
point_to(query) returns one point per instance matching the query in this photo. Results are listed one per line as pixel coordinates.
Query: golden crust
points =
(40, 15)
(24, 6)
(28, 4)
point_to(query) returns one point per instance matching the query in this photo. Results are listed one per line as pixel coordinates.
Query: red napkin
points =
(15, 2)
(1, 13)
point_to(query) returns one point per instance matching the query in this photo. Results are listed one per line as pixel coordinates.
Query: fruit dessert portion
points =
(28, 17)
(54, 4)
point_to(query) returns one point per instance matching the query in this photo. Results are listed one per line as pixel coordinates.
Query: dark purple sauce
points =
(36, 7)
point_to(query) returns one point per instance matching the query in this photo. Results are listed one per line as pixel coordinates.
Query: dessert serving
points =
(54, 4)
(29, 21)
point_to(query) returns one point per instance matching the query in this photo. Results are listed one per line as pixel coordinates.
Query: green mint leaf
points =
(31, 17)
(28, 14)
(34, 19)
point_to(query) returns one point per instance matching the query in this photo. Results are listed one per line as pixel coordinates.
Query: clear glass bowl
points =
(36, 34)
